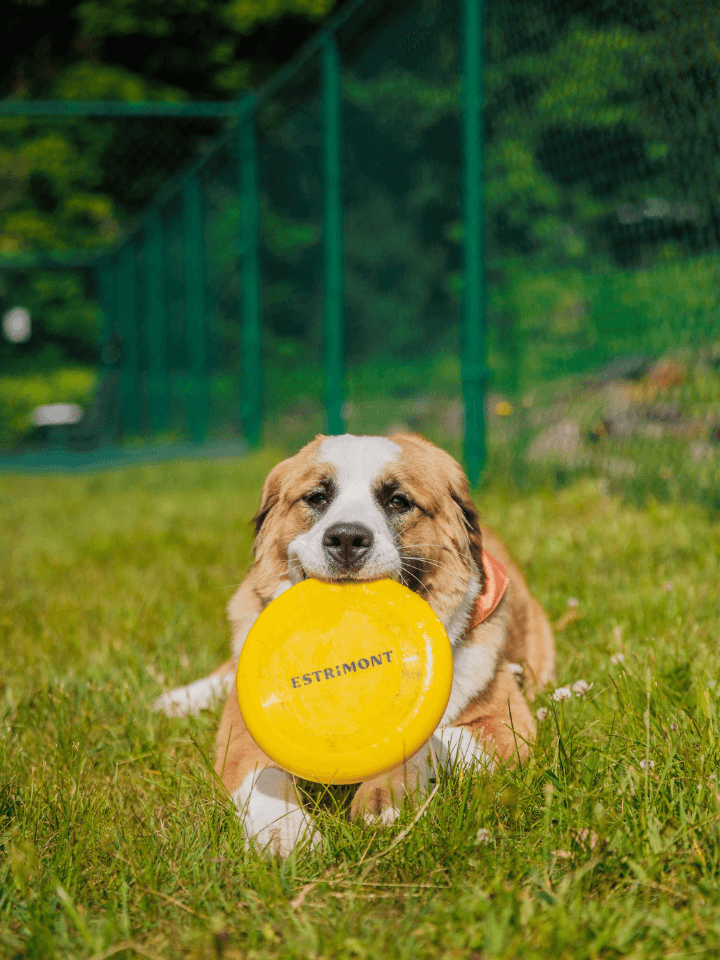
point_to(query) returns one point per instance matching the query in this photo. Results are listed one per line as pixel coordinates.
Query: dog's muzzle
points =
(347, 544)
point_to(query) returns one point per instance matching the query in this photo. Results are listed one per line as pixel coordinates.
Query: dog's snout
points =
(347, 543)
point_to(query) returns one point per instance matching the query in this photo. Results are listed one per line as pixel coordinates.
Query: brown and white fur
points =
(363, 508)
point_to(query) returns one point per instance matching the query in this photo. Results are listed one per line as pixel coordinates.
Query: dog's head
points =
(353, 508)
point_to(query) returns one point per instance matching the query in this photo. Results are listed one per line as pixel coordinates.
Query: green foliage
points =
(58, 199)
(570, 321)
(158, 18)
(64, 320)
(244, 16)
(70, 184)
(132, 18)
(201, 39)
(56, 167)
(21, 393)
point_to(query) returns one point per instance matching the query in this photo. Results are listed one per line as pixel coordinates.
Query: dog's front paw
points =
(386, 818)
(273, 822)
(293, 829)
(375, 805)
(191, 699)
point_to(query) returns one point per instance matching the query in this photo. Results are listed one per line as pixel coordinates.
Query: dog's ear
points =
(471, 520)
(269, 497)
(273, 486)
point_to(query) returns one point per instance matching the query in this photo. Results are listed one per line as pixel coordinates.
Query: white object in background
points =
(56, 414)
(16, 325)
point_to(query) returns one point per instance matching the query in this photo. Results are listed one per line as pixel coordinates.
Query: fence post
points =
(333, 251)
(474, 370)
(105, 287)
(156, 318)
(194, 263)
(251, 385)
(127, 322)
(106, 292)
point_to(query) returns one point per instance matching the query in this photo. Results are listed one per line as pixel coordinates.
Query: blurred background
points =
(184, 266)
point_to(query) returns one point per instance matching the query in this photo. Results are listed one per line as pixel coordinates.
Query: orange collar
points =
(496, 580)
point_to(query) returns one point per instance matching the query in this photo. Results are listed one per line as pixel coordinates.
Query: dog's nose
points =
(347, 543)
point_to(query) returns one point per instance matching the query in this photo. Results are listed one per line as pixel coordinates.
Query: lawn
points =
(116, 842)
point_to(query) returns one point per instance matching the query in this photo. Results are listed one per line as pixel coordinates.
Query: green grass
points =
(112, 831)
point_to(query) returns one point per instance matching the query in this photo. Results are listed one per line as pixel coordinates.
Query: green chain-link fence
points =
(438, 209)
(602, 224)
(111, 324)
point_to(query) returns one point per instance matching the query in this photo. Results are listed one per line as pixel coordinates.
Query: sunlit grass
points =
(606, 844)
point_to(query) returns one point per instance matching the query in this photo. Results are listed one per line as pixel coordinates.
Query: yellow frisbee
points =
(339, 683)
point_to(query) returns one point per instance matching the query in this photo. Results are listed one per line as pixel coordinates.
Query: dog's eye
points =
(399, 502)
(317, 499)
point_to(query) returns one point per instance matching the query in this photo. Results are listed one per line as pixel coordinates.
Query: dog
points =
(359, 508)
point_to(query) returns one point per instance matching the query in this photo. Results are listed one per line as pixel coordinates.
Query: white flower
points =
(516, 669)
(617, 658)
(573, 602)
(562, 693)
(647, 764)
(541, 713)
(483, 836)
(580, 688)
